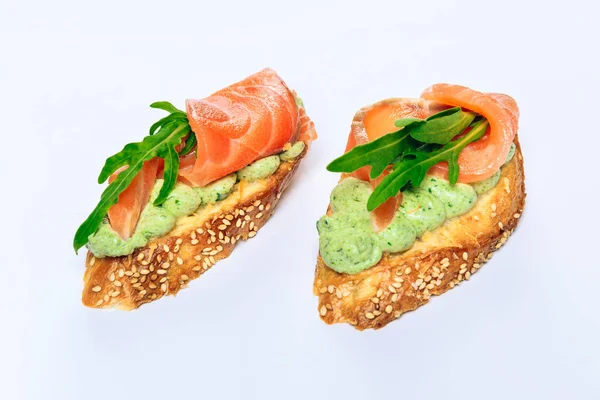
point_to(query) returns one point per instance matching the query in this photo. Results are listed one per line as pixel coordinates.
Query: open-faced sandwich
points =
(430, 188)
(202, 180)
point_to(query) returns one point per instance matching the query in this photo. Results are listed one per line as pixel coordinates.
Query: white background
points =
(76, 79)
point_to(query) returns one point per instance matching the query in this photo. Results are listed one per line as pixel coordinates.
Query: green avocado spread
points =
(184, 200)
(347, 242)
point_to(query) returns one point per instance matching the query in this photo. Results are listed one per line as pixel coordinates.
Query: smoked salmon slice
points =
(124, 215)
(235, 126)
(480, 159)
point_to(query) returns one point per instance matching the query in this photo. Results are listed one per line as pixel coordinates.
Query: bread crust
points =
(167, 264)
(437, 262)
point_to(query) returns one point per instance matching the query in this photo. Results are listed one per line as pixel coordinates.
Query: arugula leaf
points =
(402, 122)
(412, 170)
(440, 128)
(167, 134)
(378, 154)
(165, 105)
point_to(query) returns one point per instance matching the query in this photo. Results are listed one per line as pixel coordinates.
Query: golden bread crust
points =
(437, 262)
(167, 264)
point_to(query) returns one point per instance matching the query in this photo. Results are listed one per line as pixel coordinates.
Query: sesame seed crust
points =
(439, 261)
(168, 264)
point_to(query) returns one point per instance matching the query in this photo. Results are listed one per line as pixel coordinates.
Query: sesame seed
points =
(376, 313)
(226, 222)
(252, 234)
(179, 241)
(106, 297)
(323, 310)
(422, 286)
(194, 242)
(115, 293)
(92, 261)
(250, 209)
(500, 225)
(256, 203)
(179, 261)
(251, 226)
(121, 273)
(268, 207)
(96, 289)
(211, 232)
(407, 271)
(143, 292)
(389, 309)
(99, 302)
(222, 227)
(166, 248)
(117, 284)
(111, 277)
(161, 272)
(397, 285)
(392, 289)
(259, 215)
(163, 287)
(375, 300)
(261, 207)
(238, 222)
(323, 290)
(219, 248)
(338, 293)
(430, 286)
(468, 275)
(395, 297)
(379, 293)
(145, 271)
(163, 279)
(517, 216)
(184, 277)
(140, 257)
(212, 260)
(152, 285)
(418, 282)
(330, 288)
(369, 315)
(465, 256)
(494, 207)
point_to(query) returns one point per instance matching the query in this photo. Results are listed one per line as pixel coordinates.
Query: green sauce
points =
(292, 152)
(423, 210)
(398, 236)
(260, 169)
(218, 190)
(457, 199)
(349, 250)
(487, 184)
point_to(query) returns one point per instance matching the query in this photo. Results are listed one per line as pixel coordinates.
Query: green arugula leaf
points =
(378, 154)
(403, 122)
(412, 170)
(165, 105)
(190, 144)
(161, 142)
(442, 127)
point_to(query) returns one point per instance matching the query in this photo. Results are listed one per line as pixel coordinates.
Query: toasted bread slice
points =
(437, 262)
(167, 264)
